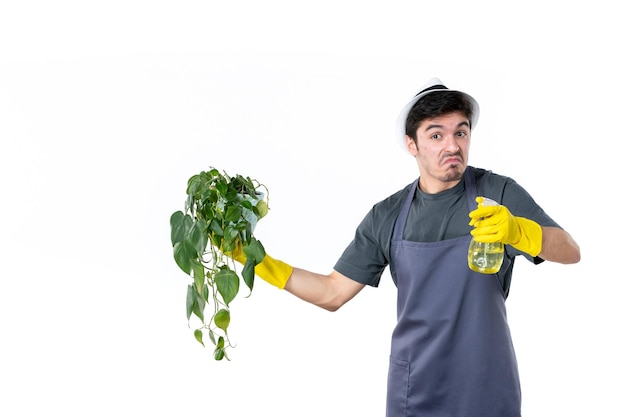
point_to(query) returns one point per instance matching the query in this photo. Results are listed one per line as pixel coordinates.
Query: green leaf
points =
(198, 237)
(205, 292)
(229, 245)
(179, 224)
(198, 335)
(198, 275)
(191, 300)
(254, 249)
(247, 273)
(233, 213)
(216, 228)
(230, 235)
(194, 184)
(222, 319)
(227, 283)
(222, 187)
(195, 304)
(219, 354)
(198, 307)
(184, 253)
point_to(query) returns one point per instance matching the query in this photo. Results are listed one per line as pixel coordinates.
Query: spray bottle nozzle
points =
(484, 201)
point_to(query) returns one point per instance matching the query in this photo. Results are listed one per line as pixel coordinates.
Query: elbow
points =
(572, 257)
(574, 253)
(575, 258)
(331, 306)
(337, 300)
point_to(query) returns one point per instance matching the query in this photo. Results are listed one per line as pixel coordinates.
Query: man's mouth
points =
(452, 160)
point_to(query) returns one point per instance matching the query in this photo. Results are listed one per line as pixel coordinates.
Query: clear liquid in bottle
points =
(485, 258)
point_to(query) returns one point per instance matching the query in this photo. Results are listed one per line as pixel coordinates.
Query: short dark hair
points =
(436, 104)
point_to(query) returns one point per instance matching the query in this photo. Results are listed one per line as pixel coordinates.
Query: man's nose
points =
(451, 143)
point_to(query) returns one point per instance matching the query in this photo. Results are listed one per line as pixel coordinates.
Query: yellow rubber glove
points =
(497, 224)
(270, 270)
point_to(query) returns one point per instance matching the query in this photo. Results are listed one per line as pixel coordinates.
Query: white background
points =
(107, 108)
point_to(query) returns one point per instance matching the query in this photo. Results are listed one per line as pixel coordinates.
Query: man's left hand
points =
(497, 224)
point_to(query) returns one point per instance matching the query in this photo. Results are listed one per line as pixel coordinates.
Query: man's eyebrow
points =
(436, 126)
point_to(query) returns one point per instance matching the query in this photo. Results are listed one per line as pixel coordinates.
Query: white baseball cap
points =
(434, 84)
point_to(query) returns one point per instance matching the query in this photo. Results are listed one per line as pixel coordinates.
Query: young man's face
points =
(441, 151)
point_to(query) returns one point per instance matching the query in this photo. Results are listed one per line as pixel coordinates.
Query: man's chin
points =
(454, 173)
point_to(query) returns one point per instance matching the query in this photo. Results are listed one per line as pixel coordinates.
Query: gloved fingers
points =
(495, 221)
(483, 212)
(487, 234)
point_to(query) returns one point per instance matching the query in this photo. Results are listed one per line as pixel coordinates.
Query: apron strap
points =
(398, 229)
(470, 187)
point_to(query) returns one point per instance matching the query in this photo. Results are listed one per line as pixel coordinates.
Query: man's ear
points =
(411, 145)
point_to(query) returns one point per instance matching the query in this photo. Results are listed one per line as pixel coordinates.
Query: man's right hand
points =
(270, 270)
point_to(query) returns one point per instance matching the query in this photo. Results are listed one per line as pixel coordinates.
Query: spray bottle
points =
(483, 257)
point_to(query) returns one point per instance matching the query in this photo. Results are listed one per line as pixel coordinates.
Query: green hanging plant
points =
(221, 212)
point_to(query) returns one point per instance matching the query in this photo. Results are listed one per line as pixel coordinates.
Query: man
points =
(451, 353)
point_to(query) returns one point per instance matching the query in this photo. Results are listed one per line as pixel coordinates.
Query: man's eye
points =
(461, 133)
(436, 136)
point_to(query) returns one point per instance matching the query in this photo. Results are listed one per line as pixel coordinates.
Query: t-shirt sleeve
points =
(364, 259)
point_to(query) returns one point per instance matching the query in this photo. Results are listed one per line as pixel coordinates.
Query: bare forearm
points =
(326, 291)
(559, 246)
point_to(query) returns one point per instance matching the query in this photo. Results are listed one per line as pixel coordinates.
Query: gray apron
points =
(451, 351)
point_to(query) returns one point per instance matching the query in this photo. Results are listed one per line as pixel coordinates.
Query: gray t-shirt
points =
(432, 218)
